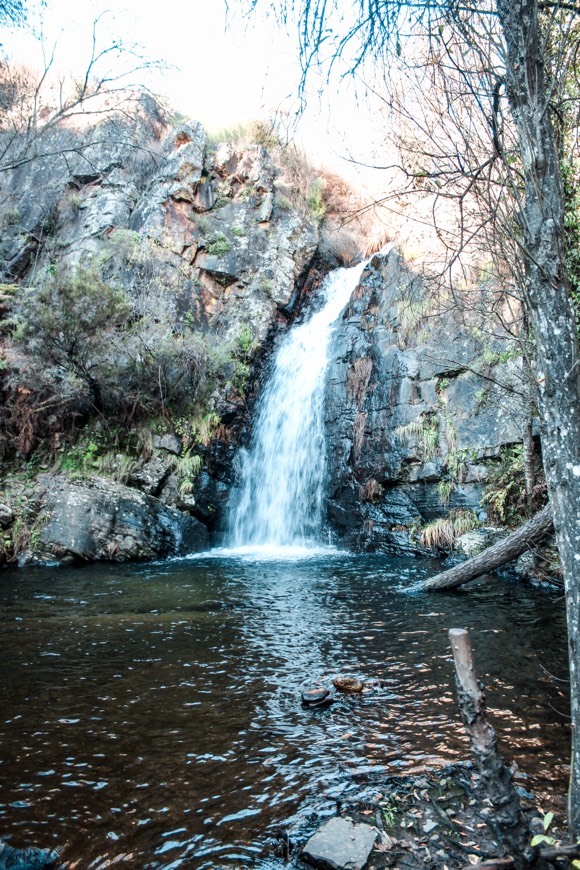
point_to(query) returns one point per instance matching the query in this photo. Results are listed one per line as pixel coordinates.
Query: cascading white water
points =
(280, 498)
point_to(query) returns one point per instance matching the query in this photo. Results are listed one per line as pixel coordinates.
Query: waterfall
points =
(280, 498)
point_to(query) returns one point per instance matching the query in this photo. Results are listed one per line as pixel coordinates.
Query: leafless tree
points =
(12, 11)
(514, 58)
(36, 104)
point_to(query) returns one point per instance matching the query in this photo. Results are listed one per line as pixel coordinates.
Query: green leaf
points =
(548, 819)
(576, 864)
(541, 838)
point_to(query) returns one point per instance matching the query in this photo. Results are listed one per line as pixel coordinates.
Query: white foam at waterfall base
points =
(279, 502)
(271, 553)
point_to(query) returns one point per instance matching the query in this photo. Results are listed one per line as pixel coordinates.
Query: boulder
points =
(340, 845)
(151, 475)
(168, 442)
(98, 519)
(6, 515)
(316, 696)
(472, 543)
(526, 566)
(348, 684)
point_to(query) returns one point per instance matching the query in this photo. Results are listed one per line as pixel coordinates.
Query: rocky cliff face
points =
(201, 244)
(416, 407)
(204, 223)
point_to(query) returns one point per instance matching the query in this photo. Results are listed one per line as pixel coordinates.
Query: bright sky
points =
(217, 72)
(221, 72)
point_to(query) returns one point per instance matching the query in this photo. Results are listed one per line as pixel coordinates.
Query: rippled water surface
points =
(152, 714)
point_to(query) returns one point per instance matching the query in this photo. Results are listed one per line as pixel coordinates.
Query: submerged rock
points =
(26, 859)
(340, 845)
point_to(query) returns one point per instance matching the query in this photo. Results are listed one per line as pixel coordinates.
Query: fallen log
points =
(496, 778)
(527, 536)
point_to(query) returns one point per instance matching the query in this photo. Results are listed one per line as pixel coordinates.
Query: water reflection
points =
(152, 714)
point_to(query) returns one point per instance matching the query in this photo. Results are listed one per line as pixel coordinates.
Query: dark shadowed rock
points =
(340, 845)
(211, 495)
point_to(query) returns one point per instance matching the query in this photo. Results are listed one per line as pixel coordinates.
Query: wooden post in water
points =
(496, 778)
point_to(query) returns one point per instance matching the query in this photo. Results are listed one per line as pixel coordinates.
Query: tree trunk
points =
(528, 459)
(528, 450)
(552, 318)
(514, 545)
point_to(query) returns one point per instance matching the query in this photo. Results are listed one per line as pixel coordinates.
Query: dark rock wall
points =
(412, 411)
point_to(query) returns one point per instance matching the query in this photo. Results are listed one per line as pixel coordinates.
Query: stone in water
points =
(340, 845)
(316, 696)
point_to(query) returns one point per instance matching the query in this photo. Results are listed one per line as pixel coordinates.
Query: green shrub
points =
(218, 245)
(126, 245)
(426, 432)
(246, 342)
(315, 199)
(188, 467)
(80, 458)
(85, 348)
(197, 429)
(282, 202)
(504, 494)
(203, 223)
(68, 322)
(240, 377)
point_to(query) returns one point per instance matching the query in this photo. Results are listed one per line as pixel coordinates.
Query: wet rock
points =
(99, 519)
(526, 566)
(348, 684)
(209, 499)
(340, 845)
(315, 695)
(26, 859)
(405, 412)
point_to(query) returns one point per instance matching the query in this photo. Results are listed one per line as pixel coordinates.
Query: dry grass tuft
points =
(441, 533)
